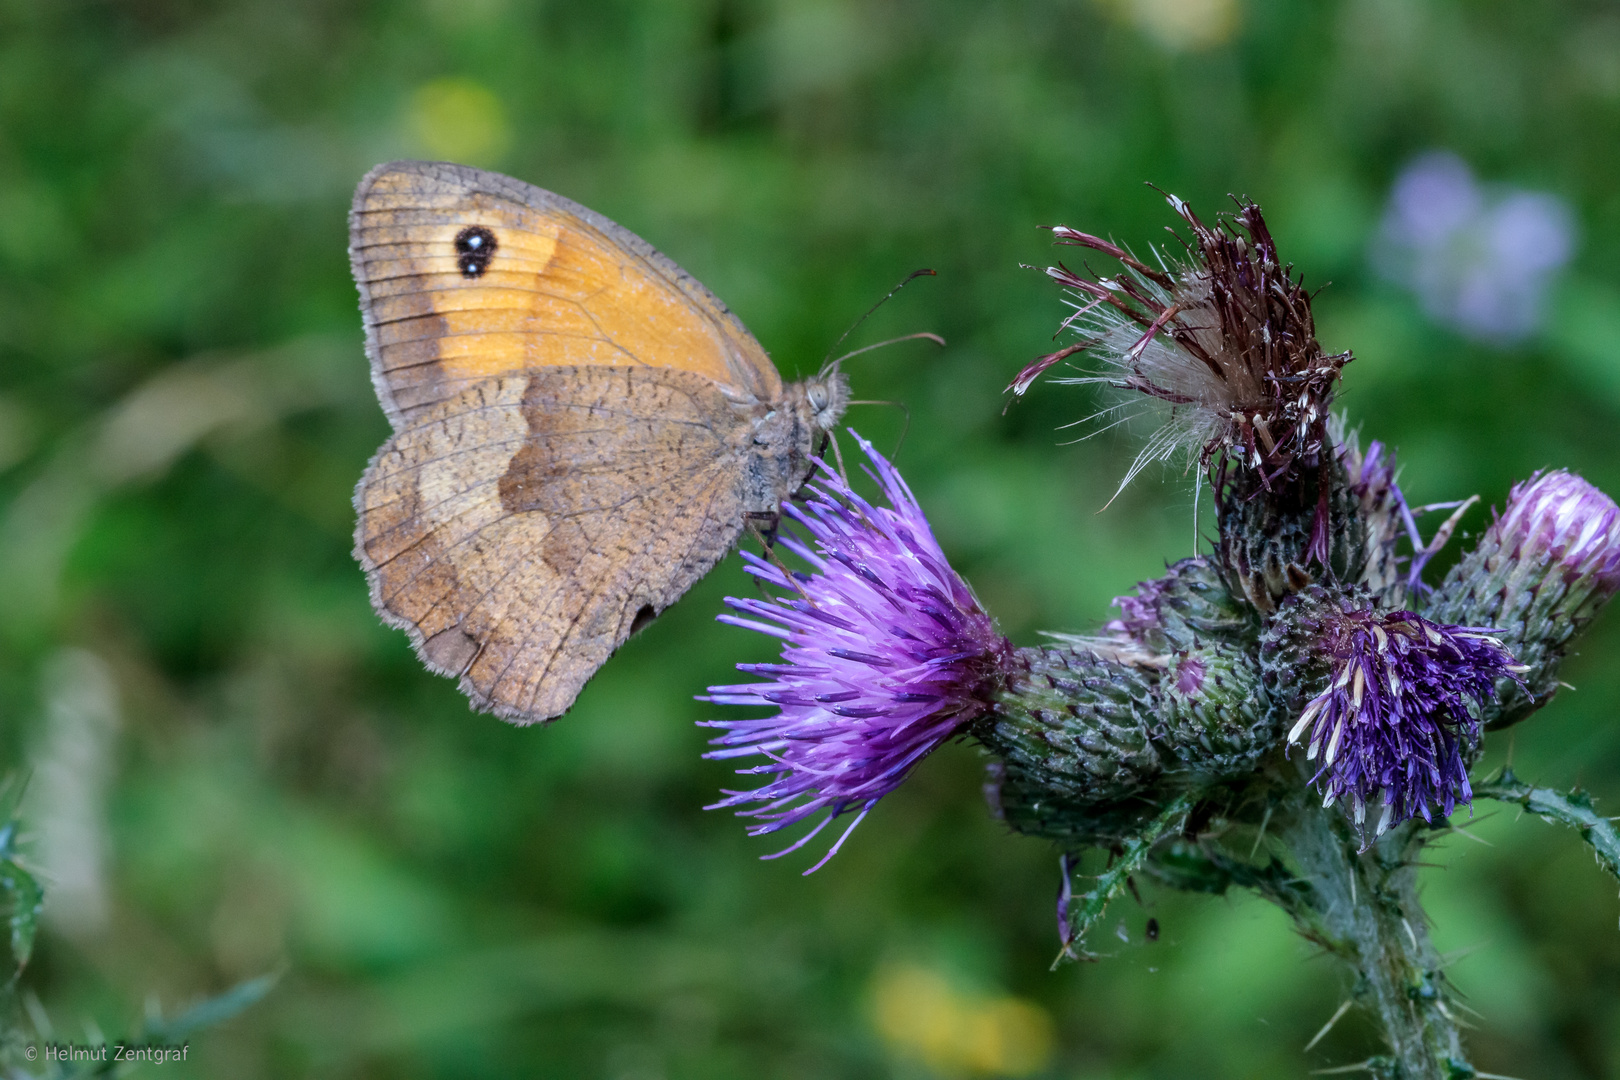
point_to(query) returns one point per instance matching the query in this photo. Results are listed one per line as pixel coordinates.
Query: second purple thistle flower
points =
(1399, 717)
(887, 655)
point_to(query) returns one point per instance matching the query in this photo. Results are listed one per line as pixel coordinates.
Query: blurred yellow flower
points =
(1181, 25)
(460, 120)
(920, 1014)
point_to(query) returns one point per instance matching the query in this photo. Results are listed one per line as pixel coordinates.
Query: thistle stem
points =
(1367, 903)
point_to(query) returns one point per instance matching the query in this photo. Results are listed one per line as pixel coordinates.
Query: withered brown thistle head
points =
(1225, 339)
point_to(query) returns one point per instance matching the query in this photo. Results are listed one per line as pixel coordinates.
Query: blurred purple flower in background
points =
(1478, 258)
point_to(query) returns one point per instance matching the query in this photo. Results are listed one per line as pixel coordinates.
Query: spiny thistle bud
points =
(888, 656)
(1087, 748)
(1227, 341)
(1540, 573)
(1383, 509)
(1188, 605)
(1395, 713)
(1082, 721)
(1215, 720)
(1276, 539)
(1093, 735)
(1072, 738)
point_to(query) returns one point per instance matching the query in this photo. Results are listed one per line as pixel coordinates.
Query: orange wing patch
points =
(563, 286)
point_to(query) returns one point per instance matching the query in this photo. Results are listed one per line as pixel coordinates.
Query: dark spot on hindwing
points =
(644, 616)
(1153, 929)
(451, 651)
(475, 248)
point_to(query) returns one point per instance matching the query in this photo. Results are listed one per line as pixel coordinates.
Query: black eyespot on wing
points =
(1153, 929)
(475, 248)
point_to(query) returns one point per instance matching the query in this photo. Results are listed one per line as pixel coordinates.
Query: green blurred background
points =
(236, 769)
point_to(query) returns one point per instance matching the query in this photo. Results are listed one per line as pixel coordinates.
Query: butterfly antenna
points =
(924, 335)
(829, 364)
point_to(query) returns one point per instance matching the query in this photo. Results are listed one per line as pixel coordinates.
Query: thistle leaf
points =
(23, 899)
(1573, 809)
(1083, 914)
(21, 896)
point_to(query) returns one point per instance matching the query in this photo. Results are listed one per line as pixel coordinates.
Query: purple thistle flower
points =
(1138, 611)
(1398, 712)
(1561, 515)
(1387, 513)
(888, 654)
(1065, 898)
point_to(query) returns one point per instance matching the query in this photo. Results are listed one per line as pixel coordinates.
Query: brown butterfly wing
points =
(574, 440)
(465, 275)
(519, 529)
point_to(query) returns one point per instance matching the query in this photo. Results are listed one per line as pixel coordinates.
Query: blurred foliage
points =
(20, 894)
(236, 768)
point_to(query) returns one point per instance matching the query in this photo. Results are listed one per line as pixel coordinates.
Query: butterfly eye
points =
(475, 248)
(817, 395)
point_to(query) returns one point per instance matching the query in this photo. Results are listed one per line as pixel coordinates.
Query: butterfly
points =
(581, 430)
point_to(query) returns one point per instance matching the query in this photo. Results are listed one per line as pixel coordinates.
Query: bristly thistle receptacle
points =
(1300, 677)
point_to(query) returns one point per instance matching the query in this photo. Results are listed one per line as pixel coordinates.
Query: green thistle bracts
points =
(1291, 662)
(1093, 735)
(1075, 727)
(1534, 614)
(1181, 611)
(1216, 720)
(1275, 541)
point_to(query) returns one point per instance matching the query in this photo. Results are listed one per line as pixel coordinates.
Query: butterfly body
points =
(581, 430)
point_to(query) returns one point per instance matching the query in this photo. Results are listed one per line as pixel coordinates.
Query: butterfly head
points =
(827, 395)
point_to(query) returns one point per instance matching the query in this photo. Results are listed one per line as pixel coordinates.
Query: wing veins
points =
(573, 623)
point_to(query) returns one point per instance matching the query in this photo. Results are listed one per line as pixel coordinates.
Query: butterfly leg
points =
(763, 524)
(830, 439)
(767, 539)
